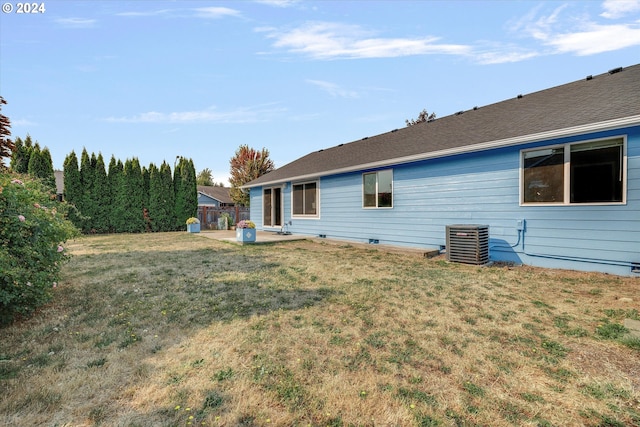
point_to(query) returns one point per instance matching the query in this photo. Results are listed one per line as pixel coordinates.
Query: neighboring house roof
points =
(221, 194)
(599, 102)
(59, 175)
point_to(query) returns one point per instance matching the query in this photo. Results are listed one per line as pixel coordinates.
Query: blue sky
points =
(160, 79)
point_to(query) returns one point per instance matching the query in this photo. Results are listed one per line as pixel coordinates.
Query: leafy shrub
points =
(32, 230)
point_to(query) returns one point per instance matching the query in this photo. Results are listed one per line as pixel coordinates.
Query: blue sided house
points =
(549, 179)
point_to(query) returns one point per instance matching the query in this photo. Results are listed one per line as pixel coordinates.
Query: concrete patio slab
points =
(273, 237)
(261, 236)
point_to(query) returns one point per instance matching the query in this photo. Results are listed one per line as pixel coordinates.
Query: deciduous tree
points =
(247, 165)
(205, 177)
(6, 145)
(423, 116)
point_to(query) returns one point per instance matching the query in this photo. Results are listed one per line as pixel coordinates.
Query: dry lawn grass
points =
(175, 329)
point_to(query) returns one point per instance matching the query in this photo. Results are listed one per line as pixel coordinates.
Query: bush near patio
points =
(32, 230)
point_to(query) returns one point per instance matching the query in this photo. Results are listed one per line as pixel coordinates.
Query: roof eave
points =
(518, 140)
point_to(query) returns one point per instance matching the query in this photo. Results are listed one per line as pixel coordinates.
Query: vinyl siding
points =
(203, 199)
(482, 188)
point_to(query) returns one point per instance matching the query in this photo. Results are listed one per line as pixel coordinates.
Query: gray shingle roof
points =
(610, 96)
(221, 194)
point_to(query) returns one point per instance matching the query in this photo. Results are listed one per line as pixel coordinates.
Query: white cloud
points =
(333, 89)
(614, 9)
(596, 39)
(278, 3)
(209, 115)
(148, 13)
(216, 12)
(326, 40)
(76, 22)
(580, 35)
(201, 12)
(503, 55)
(23, 122)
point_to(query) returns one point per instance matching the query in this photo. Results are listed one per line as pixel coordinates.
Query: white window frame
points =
(377, 189)
(317, 201)
(567, 173)
(273, 210)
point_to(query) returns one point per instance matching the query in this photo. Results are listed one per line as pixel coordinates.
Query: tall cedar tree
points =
(190, 188)
(247, 165)
(178, 196)
(41, 167)
(161, 198)
(131, 197)
(21, 155)
(6, 145)
(49, 177)
(101, 197)
(87, 203)
(116, 220)
(146, 176)
(72, 186)
(186, 192)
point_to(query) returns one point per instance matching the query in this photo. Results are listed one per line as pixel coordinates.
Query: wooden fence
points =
(209, 215)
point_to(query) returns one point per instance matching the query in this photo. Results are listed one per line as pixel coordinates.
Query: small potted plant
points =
(224, 222)
(193, 225)
(246, 231)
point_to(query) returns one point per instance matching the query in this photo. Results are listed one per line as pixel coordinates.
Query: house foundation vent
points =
(468, 244)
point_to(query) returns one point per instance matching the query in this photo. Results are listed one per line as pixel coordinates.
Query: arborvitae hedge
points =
(21, 154)
(41, 167)
(101, 197)
(161, 198)
(116, 169)
(86, 203)
(72, 186)
(128, 198)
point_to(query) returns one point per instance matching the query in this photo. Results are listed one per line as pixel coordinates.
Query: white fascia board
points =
(518, 140)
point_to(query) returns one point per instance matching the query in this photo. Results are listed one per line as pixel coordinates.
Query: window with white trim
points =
(304, 199)
(577, 173)
(377, 189)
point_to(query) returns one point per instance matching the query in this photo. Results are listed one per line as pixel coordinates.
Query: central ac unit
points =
(468, 244)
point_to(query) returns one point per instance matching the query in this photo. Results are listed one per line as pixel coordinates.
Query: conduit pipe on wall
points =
(601, 261)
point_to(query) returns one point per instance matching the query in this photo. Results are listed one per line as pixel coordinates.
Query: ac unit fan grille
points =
(468, 244)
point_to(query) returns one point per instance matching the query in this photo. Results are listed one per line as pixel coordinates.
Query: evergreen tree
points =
(87, 203)
(162, 198)
(41, 167)
(190, 189)
(116, 218)
(184, 180)
(131, 197)
(101, 196)
(49, 177)
(146, 176)
(21, 155)
(72, 185)
(178, 196)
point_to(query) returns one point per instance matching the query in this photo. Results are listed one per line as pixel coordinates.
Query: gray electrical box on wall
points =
(468, 244)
